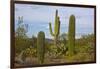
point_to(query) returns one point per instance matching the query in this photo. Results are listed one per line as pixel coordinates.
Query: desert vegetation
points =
(63, 48)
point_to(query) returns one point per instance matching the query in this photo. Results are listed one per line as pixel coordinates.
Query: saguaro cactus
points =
(56, 32)
(71, 35)
(41, 46)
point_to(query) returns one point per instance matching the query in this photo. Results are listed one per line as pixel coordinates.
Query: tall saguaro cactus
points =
(71, 35)
(56, 32)
(41, 46)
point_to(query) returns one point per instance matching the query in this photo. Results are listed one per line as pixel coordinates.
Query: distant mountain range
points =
(49, 40)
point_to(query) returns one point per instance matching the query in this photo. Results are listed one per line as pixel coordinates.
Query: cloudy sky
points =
(39, 16)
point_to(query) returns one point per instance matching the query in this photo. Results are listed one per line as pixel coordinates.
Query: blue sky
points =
(39, 16)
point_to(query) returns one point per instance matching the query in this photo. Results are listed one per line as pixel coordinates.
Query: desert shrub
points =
(21, 44)
(84, 48)
(29, 52)
(80, 57)
(24, 43)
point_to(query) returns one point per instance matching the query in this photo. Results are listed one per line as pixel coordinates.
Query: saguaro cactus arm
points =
(50, 28)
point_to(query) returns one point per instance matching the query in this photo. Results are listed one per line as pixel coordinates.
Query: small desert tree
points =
(21, 40)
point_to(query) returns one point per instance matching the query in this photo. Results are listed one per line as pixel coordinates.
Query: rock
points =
(30, 60)
(18, 60)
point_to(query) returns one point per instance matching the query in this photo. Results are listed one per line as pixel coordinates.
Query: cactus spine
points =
(71, 35)
(41, 46)
(56, 32)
